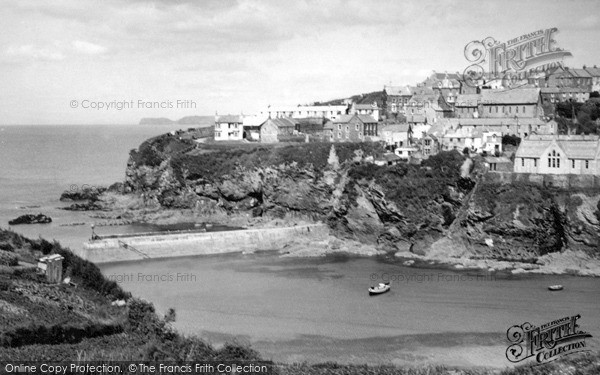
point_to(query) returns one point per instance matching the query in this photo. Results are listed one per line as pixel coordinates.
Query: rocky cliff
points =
(523, 221)
(401, 207)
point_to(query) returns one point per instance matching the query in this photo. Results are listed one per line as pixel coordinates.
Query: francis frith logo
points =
(515, 60)
(546, 342)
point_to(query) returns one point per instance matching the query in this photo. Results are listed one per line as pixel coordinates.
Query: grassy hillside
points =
(42, 322)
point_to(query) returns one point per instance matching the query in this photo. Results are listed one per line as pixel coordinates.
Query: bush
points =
(511, 140)
(8, 259)
(89, 274)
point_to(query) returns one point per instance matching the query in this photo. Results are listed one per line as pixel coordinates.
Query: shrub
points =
(8, 259)
(89, 274)
(513, 140)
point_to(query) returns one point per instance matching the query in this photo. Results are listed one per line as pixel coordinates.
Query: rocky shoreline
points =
(446, 210)
(444, 252)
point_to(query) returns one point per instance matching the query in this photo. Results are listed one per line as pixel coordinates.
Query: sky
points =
(61, 60)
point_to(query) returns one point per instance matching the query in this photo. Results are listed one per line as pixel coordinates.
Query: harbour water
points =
(318, 310)
(288, 309)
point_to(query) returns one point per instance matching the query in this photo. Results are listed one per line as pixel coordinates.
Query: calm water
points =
(38, 163)
(319, 309)
(289, 309)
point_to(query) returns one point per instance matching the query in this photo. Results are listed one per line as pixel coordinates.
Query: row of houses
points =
(343, 128)
(330, 112)
(448, 91)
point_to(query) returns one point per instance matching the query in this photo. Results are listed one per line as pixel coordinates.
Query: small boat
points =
(555, 287)
(379, 289)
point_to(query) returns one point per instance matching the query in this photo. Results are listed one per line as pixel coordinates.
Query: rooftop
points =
(229, 119)
(396, 128)
(398, 90)
(574, 146)
(510, 96)
(467, 100)
(367, 119)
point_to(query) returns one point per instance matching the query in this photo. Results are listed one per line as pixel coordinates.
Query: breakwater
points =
(121, 248)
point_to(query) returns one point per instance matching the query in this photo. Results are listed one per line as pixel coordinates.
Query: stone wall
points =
(564, 181)
(189, 244)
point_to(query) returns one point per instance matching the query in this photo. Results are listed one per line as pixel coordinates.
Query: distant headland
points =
(188, 120)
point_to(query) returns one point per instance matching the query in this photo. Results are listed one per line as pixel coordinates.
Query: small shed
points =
(500, 164)
(51, 266)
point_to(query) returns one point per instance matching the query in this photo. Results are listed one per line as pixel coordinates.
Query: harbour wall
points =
(121, 249)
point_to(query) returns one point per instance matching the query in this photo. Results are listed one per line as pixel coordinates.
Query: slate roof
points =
(500, 121)
(560, 90)
(284, 122)
(365, 106)
(508, 96)
(441, 76)
(230, 119)
(579, 73)
(594, 72)
(574, 146)
(398, 90)
(367, 119)
(467, 100)
(395, 128)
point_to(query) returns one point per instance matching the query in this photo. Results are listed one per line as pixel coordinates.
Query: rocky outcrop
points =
(84, 193)
(522, 222)
(432, 210)
(87, 206)
(31, 219)
(359, 200)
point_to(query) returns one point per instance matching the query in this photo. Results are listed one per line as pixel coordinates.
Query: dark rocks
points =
(87, 206)
(31, 219)
(82, 194)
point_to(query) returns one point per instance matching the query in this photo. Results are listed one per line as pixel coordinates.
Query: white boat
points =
(555, 287)
(379, 289)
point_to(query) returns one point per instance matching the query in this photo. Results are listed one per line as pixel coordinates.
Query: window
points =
(356, 127)
(517, 109)
(522, 162)
(587, 164)
(523, 109)
(509, 109)
(554, 159)
(489, 109)
(573, 163)
(340, 134)
(218, 134)
(427, 142)
(535, 162)
(496, 109)
(217, 126)
(339, 126)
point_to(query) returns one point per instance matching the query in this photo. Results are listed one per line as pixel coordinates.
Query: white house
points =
(491, 141)
(396, 135)
(366, 109)
(229, 128)
(330, 112)
(559, 154)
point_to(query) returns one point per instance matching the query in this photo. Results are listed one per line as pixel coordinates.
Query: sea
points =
(289, 309)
